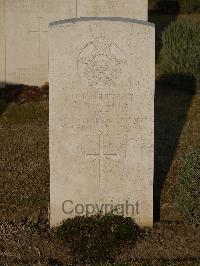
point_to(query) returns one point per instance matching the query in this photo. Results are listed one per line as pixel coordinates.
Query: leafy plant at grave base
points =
(188, 202)
(180, 55)
(97, 238)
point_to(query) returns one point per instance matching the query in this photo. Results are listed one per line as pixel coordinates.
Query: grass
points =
(23, 113)
(176, 126)
(24, 163)
(183, 132)
(188, 203)
(161, 22)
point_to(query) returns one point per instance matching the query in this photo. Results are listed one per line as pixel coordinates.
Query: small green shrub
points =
(97, 238)
(188, 203)
(180, 54)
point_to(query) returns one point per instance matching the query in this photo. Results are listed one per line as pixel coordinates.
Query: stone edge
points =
(82, 19)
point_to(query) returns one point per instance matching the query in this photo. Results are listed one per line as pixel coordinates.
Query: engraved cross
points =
(100, 154)
(39, 31)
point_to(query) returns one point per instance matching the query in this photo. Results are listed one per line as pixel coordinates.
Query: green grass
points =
(188, 202)
(180, 55)
(24, 160)
(23, 113)
(161, 22)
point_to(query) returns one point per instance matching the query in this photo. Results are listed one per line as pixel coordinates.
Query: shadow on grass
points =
(7, 95)
(161, 22)
(20, 93)
(180, 82)
(171, 108)
(3, 106)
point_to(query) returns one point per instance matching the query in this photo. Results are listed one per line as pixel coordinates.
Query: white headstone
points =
(136, 9)
(102, 118)
(27, 37)
(2, 44)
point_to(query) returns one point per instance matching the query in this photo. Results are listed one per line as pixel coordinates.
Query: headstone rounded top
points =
(87, 19)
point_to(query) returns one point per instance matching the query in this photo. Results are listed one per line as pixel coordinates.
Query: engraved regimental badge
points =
(100, 63)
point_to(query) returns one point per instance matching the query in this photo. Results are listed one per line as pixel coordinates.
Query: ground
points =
(25, 237)
(24, 170)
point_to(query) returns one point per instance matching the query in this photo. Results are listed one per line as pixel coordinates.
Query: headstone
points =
(27, 37)
(2, 44)
(101, 118)
(136, 9)
(26, 56)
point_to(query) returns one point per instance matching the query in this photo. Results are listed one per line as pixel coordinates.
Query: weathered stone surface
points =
(27, 37)
(102, 117)
(2, 44)
(136, 9)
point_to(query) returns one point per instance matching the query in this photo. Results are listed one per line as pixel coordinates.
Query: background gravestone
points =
(27, 37)
(2, 45)
(102, 115)
(136, 9)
